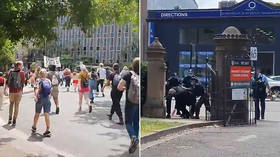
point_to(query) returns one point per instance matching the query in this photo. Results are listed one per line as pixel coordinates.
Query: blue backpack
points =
(45, 88)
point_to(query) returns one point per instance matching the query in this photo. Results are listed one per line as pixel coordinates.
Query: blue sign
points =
(152, 32)
(247, 8)
(185, 53)
(210, 53)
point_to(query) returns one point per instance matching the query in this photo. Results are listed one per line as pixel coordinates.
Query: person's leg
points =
(262, 107)
(11, 107)
(97, 86)
(136, 121)
(113, 106)
(117, 107)
(257, 109)
(80, 100)
(85, 95)
(101, 83)
(198, 106)
(1, 97)
(38, 109)
(129, 120)
(168, 107)
(16, 110)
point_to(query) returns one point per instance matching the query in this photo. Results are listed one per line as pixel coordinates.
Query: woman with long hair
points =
(84, 88)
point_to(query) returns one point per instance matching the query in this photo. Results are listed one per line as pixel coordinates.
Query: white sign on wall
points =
(51, 61)
(254, 53)
(239, 94)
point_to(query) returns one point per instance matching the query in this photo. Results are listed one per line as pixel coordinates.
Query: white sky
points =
(207, 4)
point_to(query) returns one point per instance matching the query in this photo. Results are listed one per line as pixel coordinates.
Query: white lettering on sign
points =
(173, 15)
(254, 53)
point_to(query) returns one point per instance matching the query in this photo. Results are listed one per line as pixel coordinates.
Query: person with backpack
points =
(15, 82)
(92, 84)
(67, 78)
(131, 83)
(260, 94)
(2, 84)
(116, 95)
(84, 88)
(42, 100)
(53, 76)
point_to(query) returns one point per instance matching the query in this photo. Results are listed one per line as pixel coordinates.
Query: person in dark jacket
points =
(173, 81)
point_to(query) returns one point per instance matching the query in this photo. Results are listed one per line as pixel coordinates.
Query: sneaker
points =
(57, 110)
(168, 116)
(10, 121)
(14, 122)
(47, 134)
(110, 116)
(33, 129)
(103, 94)
(133, 145)
(90, 109)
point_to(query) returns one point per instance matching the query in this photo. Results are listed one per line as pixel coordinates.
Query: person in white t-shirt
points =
(102, 76)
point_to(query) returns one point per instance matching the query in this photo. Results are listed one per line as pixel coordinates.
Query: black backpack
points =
(115, 81)
(85, 83)
(14, 80)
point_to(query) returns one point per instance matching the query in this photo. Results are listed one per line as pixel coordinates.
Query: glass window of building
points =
(206, 35)
(119, 44)
(187, 36)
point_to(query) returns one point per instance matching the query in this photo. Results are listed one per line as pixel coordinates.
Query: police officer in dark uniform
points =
(259, 92)
(184, 97)
(173, 81)
(198, 91)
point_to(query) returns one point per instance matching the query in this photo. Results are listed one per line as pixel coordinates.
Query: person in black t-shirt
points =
(131, 109)
(116, 95)
(173, 81)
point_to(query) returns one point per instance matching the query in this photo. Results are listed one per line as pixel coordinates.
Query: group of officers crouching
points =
(186, 93)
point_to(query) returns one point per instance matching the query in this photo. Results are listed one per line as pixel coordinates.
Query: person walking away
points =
(131, 83)
(124, 70)
(61, 77)
(15, 82)
(2, 84)
(92, 84)
(53, 76)
(116, 95)
(101, 71)
(35, 78)
(42, 100)
(260, 94)
(67, 78)
(75, 81)
(84, 88)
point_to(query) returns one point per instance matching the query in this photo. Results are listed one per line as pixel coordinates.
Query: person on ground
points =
(75, 80)
(2, 84)
(101, 71)
(116, 95)
(131, 83)
(260, 94)
(84, 88)
(42, 100)
(53, 76)
(92, 84)
(15, 82)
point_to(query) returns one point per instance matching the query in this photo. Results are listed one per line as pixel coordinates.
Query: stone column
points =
(155, 106)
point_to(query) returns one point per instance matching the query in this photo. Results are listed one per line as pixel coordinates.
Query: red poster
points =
(240, 73)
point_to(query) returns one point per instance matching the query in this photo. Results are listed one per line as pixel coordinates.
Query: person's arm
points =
(122, 85)
(6, 84)
(36, 96)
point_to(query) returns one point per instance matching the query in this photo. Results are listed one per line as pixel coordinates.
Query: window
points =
(119, 44)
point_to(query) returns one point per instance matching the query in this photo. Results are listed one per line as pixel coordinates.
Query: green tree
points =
(7, 54)
(34, 20)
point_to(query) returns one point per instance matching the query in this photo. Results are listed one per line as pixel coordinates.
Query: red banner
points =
(240, 73)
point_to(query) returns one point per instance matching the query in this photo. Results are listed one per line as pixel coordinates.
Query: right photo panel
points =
(210, 78)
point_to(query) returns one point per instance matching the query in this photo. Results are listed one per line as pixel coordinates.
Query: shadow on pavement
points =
(50, 114)
(8, 127)
(126, 154)
(36, 137)
(6, 140)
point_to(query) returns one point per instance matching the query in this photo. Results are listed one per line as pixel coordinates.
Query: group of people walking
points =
(46, 84)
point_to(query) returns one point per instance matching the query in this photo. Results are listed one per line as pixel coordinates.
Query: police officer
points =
(183, 97)
(173, 81)
(198, 91)
(260, 86)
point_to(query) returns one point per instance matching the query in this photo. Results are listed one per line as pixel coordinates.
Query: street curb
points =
(158, 135)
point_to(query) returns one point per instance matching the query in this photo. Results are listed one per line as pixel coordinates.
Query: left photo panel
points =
(69, 78)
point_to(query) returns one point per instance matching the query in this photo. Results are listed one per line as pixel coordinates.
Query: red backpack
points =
(2, 81)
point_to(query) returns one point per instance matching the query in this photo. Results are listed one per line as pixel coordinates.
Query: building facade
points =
(188, 35)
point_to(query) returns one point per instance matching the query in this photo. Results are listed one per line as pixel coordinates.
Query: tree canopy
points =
(35, 20)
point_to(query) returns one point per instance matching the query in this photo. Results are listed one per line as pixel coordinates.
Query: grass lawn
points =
(151, 126)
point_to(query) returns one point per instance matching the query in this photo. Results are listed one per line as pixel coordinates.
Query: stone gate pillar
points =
(155, 106)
